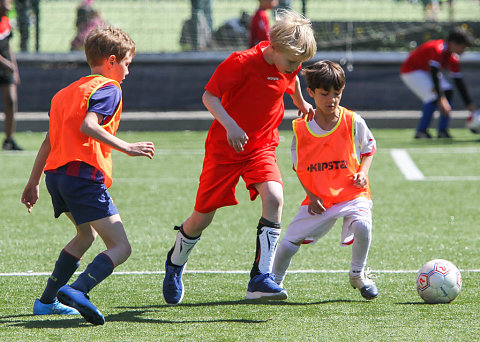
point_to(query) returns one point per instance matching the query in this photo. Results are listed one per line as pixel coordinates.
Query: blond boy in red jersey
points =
(76, 158)
(332, 155)
(245, 95)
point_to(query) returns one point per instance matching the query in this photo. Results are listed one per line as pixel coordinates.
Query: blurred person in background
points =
(23, 9)
(197, 30)
(87, 19)
(431, 9)
(260, 23)
(422, 74)
(9, 77)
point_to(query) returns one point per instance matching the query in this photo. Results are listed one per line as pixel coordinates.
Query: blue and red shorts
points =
(87, 200)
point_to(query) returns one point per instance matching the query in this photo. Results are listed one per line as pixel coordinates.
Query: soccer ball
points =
(439, 281)
(473, 122)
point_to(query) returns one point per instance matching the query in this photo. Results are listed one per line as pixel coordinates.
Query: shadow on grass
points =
(135, 314)
(43, 322)
(419, 303)
(243, 302)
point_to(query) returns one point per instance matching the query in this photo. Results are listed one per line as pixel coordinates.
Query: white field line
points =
(406, 164)
(451, 178)
(193, 151)
(401, 158)
(36, 274)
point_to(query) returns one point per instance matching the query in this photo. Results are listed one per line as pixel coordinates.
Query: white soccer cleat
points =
(363, 281)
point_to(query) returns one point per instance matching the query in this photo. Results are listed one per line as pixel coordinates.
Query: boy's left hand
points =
(307, 110)
(360, 180)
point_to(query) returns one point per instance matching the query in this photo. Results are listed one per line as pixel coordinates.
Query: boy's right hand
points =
(444, 106)
(30, 196)
(316, 205)
(237, 138)
(145, 149)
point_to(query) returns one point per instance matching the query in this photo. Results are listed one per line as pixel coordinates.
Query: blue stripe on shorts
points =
(85, 199)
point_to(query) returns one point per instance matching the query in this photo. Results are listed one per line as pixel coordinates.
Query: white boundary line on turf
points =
(36, 274)
(406, 164)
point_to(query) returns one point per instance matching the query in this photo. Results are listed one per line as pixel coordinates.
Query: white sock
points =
(268, 239)
(182, 249)
(362, 232)
(283, 258)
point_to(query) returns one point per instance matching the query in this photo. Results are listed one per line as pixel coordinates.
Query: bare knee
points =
(126, 251)
(274, 200)
(120, 252)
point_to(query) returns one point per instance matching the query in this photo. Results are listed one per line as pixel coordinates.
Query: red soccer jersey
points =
(251, 91)
(433, 52)
(259, 27)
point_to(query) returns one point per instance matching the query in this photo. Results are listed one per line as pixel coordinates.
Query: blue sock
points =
(65, 266)
(100, 268)
(427, 113)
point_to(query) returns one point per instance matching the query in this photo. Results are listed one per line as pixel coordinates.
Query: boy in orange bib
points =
(331, 155)
(76, 158)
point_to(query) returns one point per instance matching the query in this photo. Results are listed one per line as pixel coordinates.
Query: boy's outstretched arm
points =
(236, 136)
(92, 128)
(32, 189)
(360, 178)
(304, 108)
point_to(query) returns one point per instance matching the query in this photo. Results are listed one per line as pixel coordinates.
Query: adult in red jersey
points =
(422, 74)
(260, 24)
(245, 96)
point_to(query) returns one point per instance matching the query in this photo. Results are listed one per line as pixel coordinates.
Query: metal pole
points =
(36, 11)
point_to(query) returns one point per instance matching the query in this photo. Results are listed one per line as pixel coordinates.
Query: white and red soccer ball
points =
(473, 122)
(439, 281)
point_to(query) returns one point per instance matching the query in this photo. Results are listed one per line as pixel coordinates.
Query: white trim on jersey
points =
(365, 143)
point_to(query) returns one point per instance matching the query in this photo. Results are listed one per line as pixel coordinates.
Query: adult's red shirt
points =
(251, 91)
(432, 53)
(259, 27)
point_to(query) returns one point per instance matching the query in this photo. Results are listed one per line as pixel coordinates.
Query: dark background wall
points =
(170, 82)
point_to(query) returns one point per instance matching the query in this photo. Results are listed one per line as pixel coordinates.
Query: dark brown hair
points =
(325, 75)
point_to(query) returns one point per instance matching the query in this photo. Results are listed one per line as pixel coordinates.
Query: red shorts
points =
(218, 181)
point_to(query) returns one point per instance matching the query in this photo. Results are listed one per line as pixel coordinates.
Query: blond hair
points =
(105, 41)
(293, 33)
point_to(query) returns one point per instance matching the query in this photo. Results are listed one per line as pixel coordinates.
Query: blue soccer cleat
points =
(263, 287)
(80, 301)
(363, 281)
(172, 284)
(55, 308)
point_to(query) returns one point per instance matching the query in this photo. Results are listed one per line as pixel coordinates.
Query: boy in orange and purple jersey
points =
(245, 95)
(332, 155)
(76, 158)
